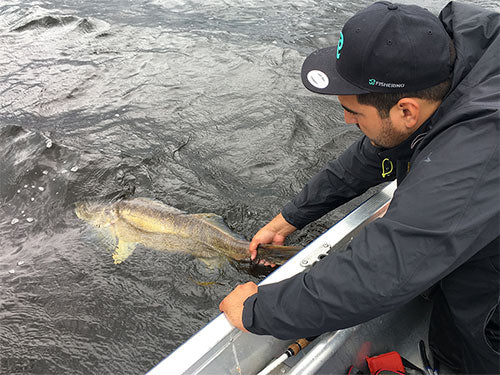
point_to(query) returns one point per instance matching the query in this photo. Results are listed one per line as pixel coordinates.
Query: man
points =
(432, 123)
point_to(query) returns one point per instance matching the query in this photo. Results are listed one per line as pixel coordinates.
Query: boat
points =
(219, 348)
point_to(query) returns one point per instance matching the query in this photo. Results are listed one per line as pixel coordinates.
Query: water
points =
(198, 104)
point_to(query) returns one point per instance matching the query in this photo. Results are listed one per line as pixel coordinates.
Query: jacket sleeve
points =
(443, 213)
(356, 170)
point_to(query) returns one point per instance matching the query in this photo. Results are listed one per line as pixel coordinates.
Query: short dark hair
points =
(383, 102)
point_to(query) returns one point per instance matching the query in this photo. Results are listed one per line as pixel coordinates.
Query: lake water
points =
(198, 104)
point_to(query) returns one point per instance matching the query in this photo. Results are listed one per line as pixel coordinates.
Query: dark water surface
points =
(196, 103)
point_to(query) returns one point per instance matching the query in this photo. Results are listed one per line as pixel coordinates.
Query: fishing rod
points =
(292, 350)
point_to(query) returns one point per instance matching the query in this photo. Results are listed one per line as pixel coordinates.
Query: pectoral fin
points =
(123, 251)
(212, 263)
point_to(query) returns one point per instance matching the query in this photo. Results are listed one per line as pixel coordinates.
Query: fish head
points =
(96, 213)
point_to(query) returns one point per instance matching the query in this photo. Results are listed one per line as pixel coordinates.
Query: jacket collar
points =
(405, 150)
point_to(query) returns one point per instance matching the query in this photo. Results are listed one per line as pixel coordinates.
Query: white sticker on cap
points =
(318, 79)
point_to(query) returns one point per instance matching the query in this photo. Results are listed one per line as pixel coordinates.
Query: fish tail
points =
(277, 254)
(271, 247)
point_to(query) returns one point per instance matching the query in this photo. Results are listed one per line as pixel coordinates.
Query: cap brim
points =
(319, 74)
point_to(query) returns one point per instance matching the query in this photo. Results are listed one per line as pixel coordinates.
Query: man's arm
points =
(333, 185)
(443, 213)
(354, 172)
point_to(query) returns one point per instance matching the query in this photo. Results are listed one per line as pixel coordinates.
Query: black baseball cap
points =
(383, 48)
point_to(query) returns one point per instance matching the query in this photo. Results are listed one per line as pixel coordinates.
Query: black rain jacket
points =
(443, 219)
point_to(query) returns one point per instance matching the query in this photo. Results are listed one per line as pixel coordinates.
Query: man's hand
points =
(232, 305)
(273, 232)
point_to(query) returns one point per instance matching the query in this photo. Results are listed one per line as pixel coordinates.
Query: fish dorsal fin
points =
(218, 222)
(212, 219)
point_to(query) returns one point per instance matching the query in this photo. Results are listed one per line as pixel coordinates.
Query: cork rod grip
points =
(298, 345)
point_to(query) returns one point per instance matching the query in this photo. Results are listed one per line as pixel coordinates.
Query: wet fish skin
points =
(275, 254)
(161, 227)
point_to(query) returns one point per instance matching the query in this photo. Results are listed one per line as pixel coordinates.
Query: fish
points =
(158, 226)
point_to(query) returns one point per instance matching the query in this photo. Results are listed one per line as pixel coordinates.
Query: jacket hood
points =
(475, 34)
(475, 85)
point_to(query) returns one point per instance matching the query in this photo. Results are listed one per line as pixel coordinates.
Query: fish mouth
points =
(81, 211)
(94, 213)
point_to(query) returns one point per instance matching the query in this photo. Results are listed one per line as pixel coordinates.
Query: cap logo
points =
(340, 44)
(374, 82)
(318, 79)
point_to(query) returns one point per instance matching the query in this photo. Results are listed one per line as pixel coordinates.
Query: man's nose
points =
(349, 118)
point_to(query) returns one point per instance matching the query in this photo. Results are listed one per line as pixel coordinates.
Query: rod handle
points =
(297, 346)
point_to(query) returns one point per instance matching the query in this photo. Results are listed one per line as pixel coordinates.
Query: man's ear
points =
(408, 112)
